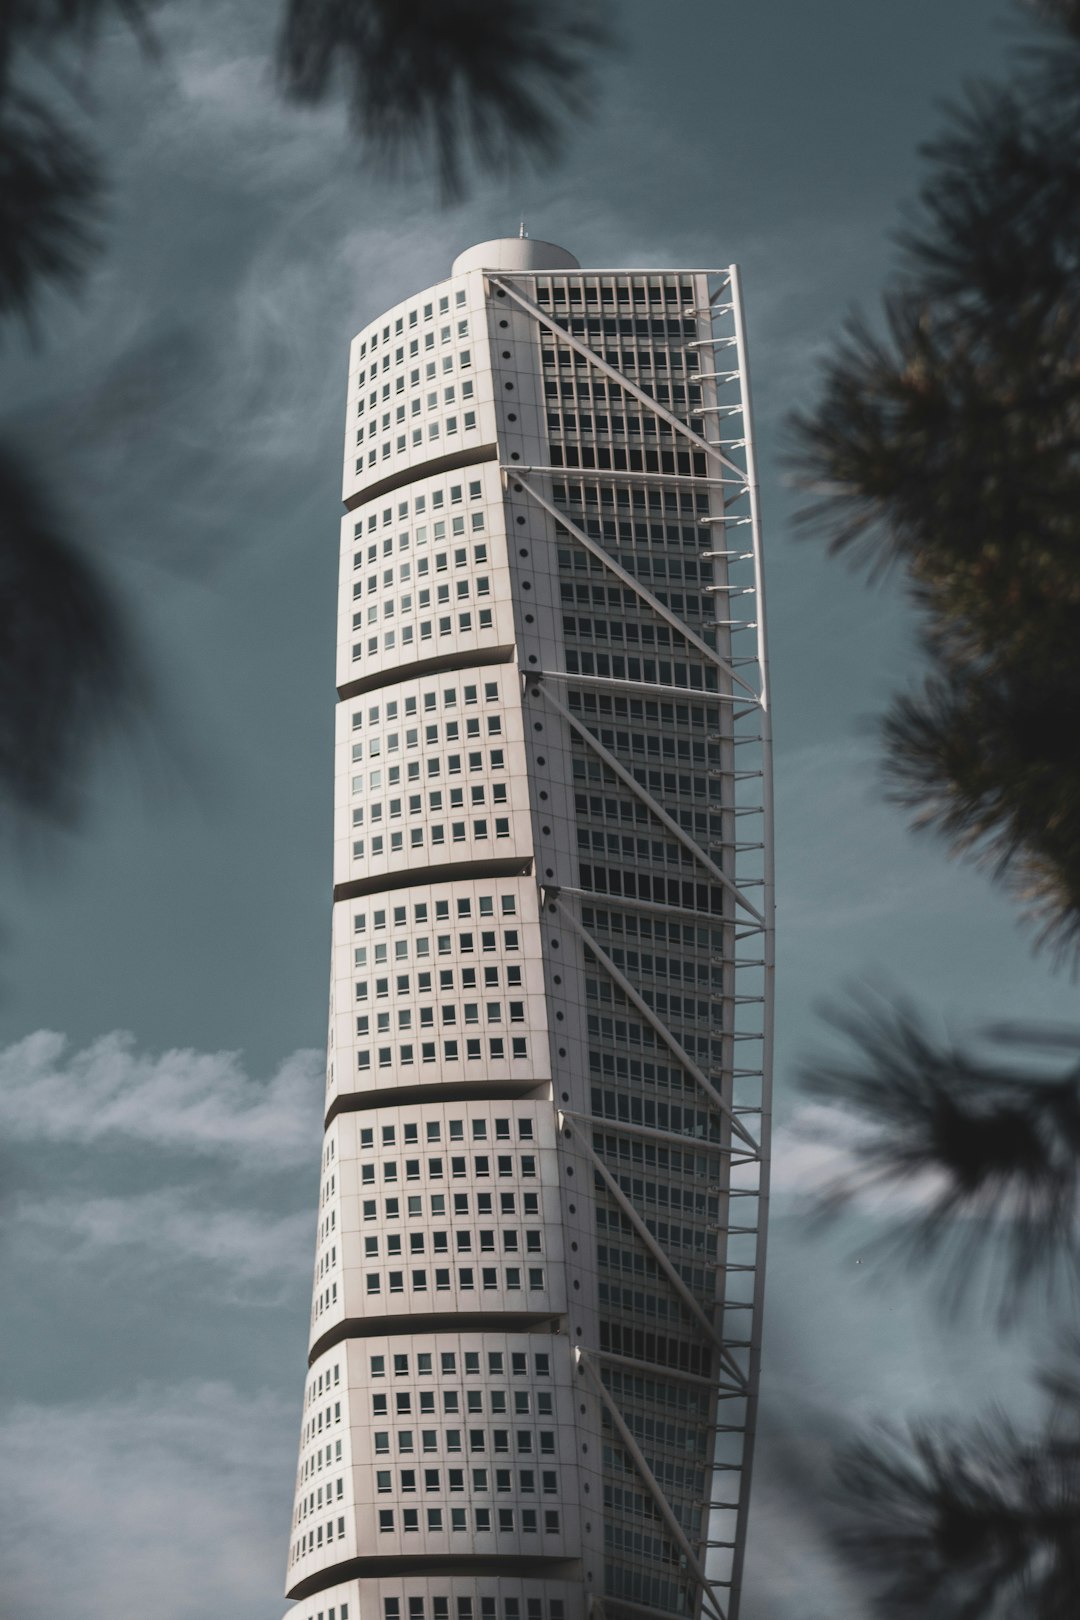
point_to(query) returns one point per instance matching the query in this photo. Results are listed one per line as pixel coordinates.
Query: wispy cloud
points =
(181, 1101)
(255, 1257)
(168, 1500)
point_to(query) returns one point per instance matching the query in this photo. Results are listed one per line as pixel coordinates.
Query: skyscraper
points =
(537, 1303)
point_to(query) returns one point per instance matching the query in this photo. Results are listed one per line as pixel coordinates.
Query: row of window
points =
(426, 630)
(563, 422)
(496, 761)
(614, 598)
(624, 846)
(435, 500)
(431, 401)
(313, 1539)
(439, 910)
(684, 893)
(580, 499)
(610, 1257)
(655, 930)
(627, 807)
(455, 1131)
(497, 1361)
(633, 1073)
(402, 1402)
(442, 1282)
(469, 1011)
(648, 713)
(659, 745)
(658, 1115)
(586, 389)
(372, 343)
(420, 946)
(628, 632)
(313, 1502)
(650, 671)
(597, 292)
(661, 784)
(461, 1206)
(369, 375)
(677, 1008)
(501, 1480)
(394, 844)
(404, 983)
(485, 1608)
(526, 1442)
(641, 565)
(626, 360)
(380, 365)
(423, 567)
(372, 811)
(478, 585)
(463, 1242)
(314, 1461)
(436, 430)
(383, 1058)
(323, 1301)
(624, 1032)
(506, 1520)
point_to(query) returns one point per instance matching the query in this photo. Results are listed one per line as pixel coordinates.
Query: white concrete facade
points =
(536, 1309)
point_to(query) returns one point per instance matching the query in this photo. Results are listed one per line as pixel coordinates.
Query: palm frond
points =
(989, 762)
(445, 82)
(991, 1148)
(50, 202)
(975, 1523)
(68, 671)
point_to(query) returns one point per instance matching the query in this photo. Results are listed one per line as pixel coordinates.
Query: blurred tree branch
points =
(978, 1523)
(450, 83)
(944, 451)
(442, 81)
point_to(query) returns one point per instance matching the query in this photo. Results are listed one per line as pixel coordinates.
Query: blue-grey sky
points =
(164, 973)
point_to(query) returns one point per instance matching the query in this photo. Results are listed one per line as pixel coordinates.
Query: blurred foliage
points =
(452, 84)
(978, 1523)
(446, 81)
(944, 452)
(985, 1151)
(949, 449)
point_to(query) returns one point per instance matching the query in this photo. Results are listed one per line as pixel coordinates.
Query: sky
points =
(163, 973)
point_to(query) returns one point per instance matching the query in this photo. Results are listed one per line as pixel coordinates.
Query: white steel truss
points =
(745, 695)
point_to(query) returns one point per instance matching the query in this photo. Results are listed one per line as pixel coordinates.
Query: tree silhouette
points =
(453, 84)
(437, 80)
(945, 452)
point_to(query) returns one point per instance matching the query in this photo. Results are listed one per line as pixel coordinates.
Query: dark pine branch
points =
(972, 1523)
(67, 667)
(989, 1152)
(50, 200)
(446, 81)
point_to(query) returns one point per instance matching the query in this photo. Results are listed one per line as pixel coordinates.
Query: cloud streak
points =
(170, 1500)
(182, 1102)
(256, 1256)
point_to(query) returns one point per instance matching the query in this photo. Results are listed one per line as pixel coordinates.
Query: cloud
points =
(816, 1149)
(181, 1102)
(167, 1500)
(255, 1255)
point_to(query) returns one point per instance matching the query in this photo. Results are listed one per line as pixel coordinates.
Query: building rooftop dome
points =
(514, 253)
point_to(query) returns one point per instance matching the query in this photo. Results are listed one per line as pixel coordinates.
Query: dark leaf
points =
(992, 1147)
(966, 1524)
(68, 673)
(50, 198)
(445, 81)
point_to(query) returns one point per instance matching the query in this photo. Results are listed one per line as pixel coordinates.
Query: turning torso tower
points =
(538, 1281)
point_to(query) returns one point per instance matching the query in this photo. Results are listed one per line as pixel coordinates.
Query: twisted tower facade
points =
(536, 1319)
